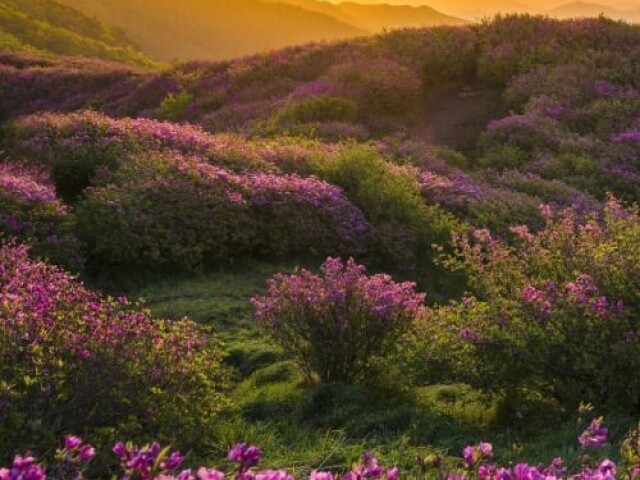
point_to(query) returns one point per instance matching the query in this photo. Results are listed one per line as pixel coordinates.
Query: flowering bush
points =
(72, 360)
(162, 211)
(556, 304)
(30, 212)
(165, 210)
(78, 145)
(152, 462)
(337, 325)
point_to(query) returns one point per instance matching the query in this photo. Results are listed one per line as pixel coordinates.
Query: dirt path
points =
(457, 118)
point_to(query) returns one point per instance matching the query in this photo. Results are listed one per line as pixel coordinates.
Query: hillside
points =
(47, 26)
(325, 250)
(375, 18)
(222, 29)
(586, 9)
(218, 29)
(467, 9)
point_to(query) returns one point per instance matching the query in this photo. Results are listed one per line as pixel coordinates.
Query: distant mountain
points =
(215, 29)
(376, 18)
(586, 9)
(467, 9)
(46, 26)
(221, 29)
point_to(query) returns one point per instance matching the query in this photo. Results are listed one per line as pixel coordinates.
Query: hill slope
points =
(376, 18)
(586, 9)
(215, 29)
(467, 9)
(50, 27)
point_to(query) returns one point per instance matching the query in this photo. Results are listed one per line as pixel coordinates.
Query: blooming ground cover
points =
(477, 461)
(352, 284)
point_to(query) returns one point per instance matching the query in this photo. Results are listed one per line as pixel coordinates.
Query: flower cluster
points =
(313, 317)
(152, 462)
(555, 298)
(148, 462)
(595, 436)
(31, 212)
(23, 468)
(98, 354)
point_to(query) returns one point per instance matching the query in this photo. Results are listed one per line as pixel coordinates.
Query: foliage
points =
(49, 26)
(152, 462)
(125, 220)
(31, 213)
(556, 303)
(75, 361)
(404, 228)
(175, 106)
(318, 109)
(338, 325)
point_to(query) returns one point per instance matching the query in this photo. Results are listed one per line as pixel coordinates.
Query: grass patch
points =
(301, 427)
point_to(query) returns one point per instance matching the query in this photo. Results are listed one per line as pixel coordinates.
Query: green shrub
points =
(151, 214)
(319, 108)
(175, 106)
(404, 228)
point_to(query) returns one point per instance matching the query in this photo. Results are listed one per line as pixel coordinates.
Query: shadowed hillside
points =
(205, 29)
(47, 26)
(221, 29)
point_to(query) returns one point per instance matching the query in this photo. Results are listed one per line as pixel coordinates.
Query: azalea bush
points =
(31, 212)
(78, 146)
(153, 462)
(556, 304)
(166, 210)
(340, 324)
(72, 360)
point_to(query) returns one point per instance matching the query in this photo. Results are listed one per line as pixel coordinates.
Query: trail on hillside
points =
(457, 118)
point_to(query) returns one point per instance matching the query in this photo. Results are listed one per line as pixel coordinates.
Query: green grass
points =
(301, 427)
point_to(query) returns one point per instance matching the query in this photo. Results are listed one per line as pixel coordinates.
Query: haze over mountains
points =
(136, 31)
(477, 9)
(217, 29)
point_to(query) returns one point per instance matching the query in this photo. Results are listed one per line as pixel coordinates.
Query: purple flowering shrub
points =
(77, 146)
(34, 84)
(340, 324)
(162, 211)
(557, 303)
(167, 210)
(72, 360)
(515, 140)
(31, 213)
(294, 214)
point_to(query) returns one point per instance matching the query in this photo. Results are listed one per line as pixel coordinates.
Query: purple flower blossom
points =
(245, 455)
(595, 436)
